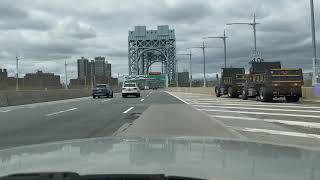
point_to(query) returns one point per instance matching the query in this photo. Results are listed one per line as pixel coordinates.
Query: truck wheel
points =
(291, 99)
(111, 95)
(244, 95)
(217, 92)
(98, 97)
(93, 97)
(264, 95)
(231, 94)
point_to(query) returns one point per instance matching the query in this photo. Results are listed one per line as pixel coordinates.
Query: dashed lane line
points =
(106, 100)
(126, 111)
(4, 111)
(59, 112)
(142, 100)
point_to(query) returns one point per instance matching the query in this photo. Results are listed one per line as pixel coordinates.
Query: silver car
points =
(130, 89)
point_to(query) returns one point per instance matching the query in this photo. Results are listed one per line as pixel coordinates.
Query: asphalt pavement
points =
(160, 113)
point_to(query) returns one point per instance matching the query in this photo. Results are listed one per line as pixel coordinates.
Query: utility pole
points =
(224, 37)
(314, 61)
(17, 74)
(190, 66)
(204, 63)
(254, 24)
(66, 74)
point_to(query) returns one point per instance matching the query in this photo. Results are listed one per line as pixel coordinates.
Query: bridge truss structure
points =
(146, 47)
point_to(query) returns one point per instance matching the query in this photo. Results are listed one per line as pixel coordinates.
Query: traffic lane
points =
(89, 120)
(160, 97)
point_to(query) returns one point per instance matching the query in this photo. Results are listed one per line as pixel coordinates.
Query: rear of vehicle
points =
(102, 90)
(286, 83)
(231, 82)
(130, 89)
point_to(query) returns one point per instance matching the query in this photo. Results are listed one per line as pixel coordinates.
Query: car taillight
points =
(123, 88)
(134, 88)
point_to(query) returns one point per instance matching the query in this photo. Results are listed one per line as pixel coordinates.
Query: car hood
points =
(182, 156)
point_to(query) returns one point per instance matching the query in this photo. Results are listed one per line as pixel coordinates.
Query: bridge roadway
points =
(160, 113)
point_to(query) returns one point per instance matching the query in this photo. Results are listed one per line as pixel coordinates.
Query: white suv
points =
(130, 89)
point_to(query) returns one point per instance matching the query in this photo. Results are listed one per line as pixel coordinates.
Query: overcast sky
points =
(46, 33)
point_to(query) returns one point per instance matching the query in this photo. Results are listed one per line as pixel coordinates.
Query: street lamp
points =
(190, 66)
(254, 30)
(204, 62)
(224, 37)
(313, 31)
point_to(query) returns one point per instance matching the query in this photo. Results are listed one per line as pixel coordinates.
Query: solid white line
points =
(5, 111)
(125, 112)
(177, 97)
(293, 123)
(142, 100)
(260, 113)
(263, 105)
(275, 132)
(262, 109)
(106, 100)
(59, 112)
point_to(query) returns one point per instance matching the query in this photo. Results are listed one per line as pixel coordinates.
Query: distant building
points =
(41, 80)
(100, 66)
(82, 68)
(183, 79)
(3, 75)
(108, 69)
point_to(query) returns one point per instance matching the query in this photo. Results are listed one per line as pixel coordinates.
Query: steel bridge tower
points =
(146, 47)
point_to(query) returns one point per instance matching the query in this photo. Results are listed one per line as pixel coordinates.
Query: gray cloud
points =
(50, 32)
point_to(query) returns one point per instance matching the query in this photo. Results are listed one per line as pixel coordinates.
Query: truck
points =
(267, 80)
(231, 82)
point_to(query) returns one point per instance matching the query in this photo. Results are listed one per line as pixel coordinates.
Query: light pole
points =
(204, 63)
(224, 37)
(17, 74)
(254, 30)
(190, 66)
(313, 31)
(66, 74)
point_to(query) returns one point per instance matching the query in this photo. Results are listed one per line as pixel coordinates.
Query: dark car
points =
(102, 90)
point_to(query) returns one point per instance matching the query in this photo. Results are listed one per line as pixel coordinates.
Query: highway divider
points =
(308, 93)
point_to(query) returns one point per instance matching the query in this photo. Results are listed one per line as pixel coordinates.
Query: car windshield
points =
(88, 70)
(130, 85)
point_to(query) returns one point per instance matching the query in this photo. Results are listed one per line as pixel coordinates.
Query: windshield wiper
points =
(75, 176)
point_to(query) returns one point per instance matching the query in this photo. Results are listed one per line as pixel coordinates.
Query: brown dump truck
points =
(231, 82)
(267, 80)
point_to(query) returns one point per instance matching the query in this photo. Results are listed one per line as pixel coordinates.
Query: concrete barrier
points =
(9, 98)
(307, 92)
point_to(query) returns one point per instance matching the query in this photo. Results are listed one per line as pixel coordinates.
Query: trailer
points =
(267, 80)
(231, 82)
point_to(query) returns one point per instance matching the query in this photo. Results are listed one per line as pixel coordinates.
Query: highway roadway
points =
(160, 113)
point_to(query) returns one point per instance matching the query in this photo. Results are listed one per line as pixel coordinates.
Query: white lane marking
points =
(106, 100)
(275, 132)
(4, 111)
(142, 100)
(296, 123)
(262, 105)
(177, 97)
(260, 113)
(262, 109)
(245, 102)
(59, 112)
(125, 112)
